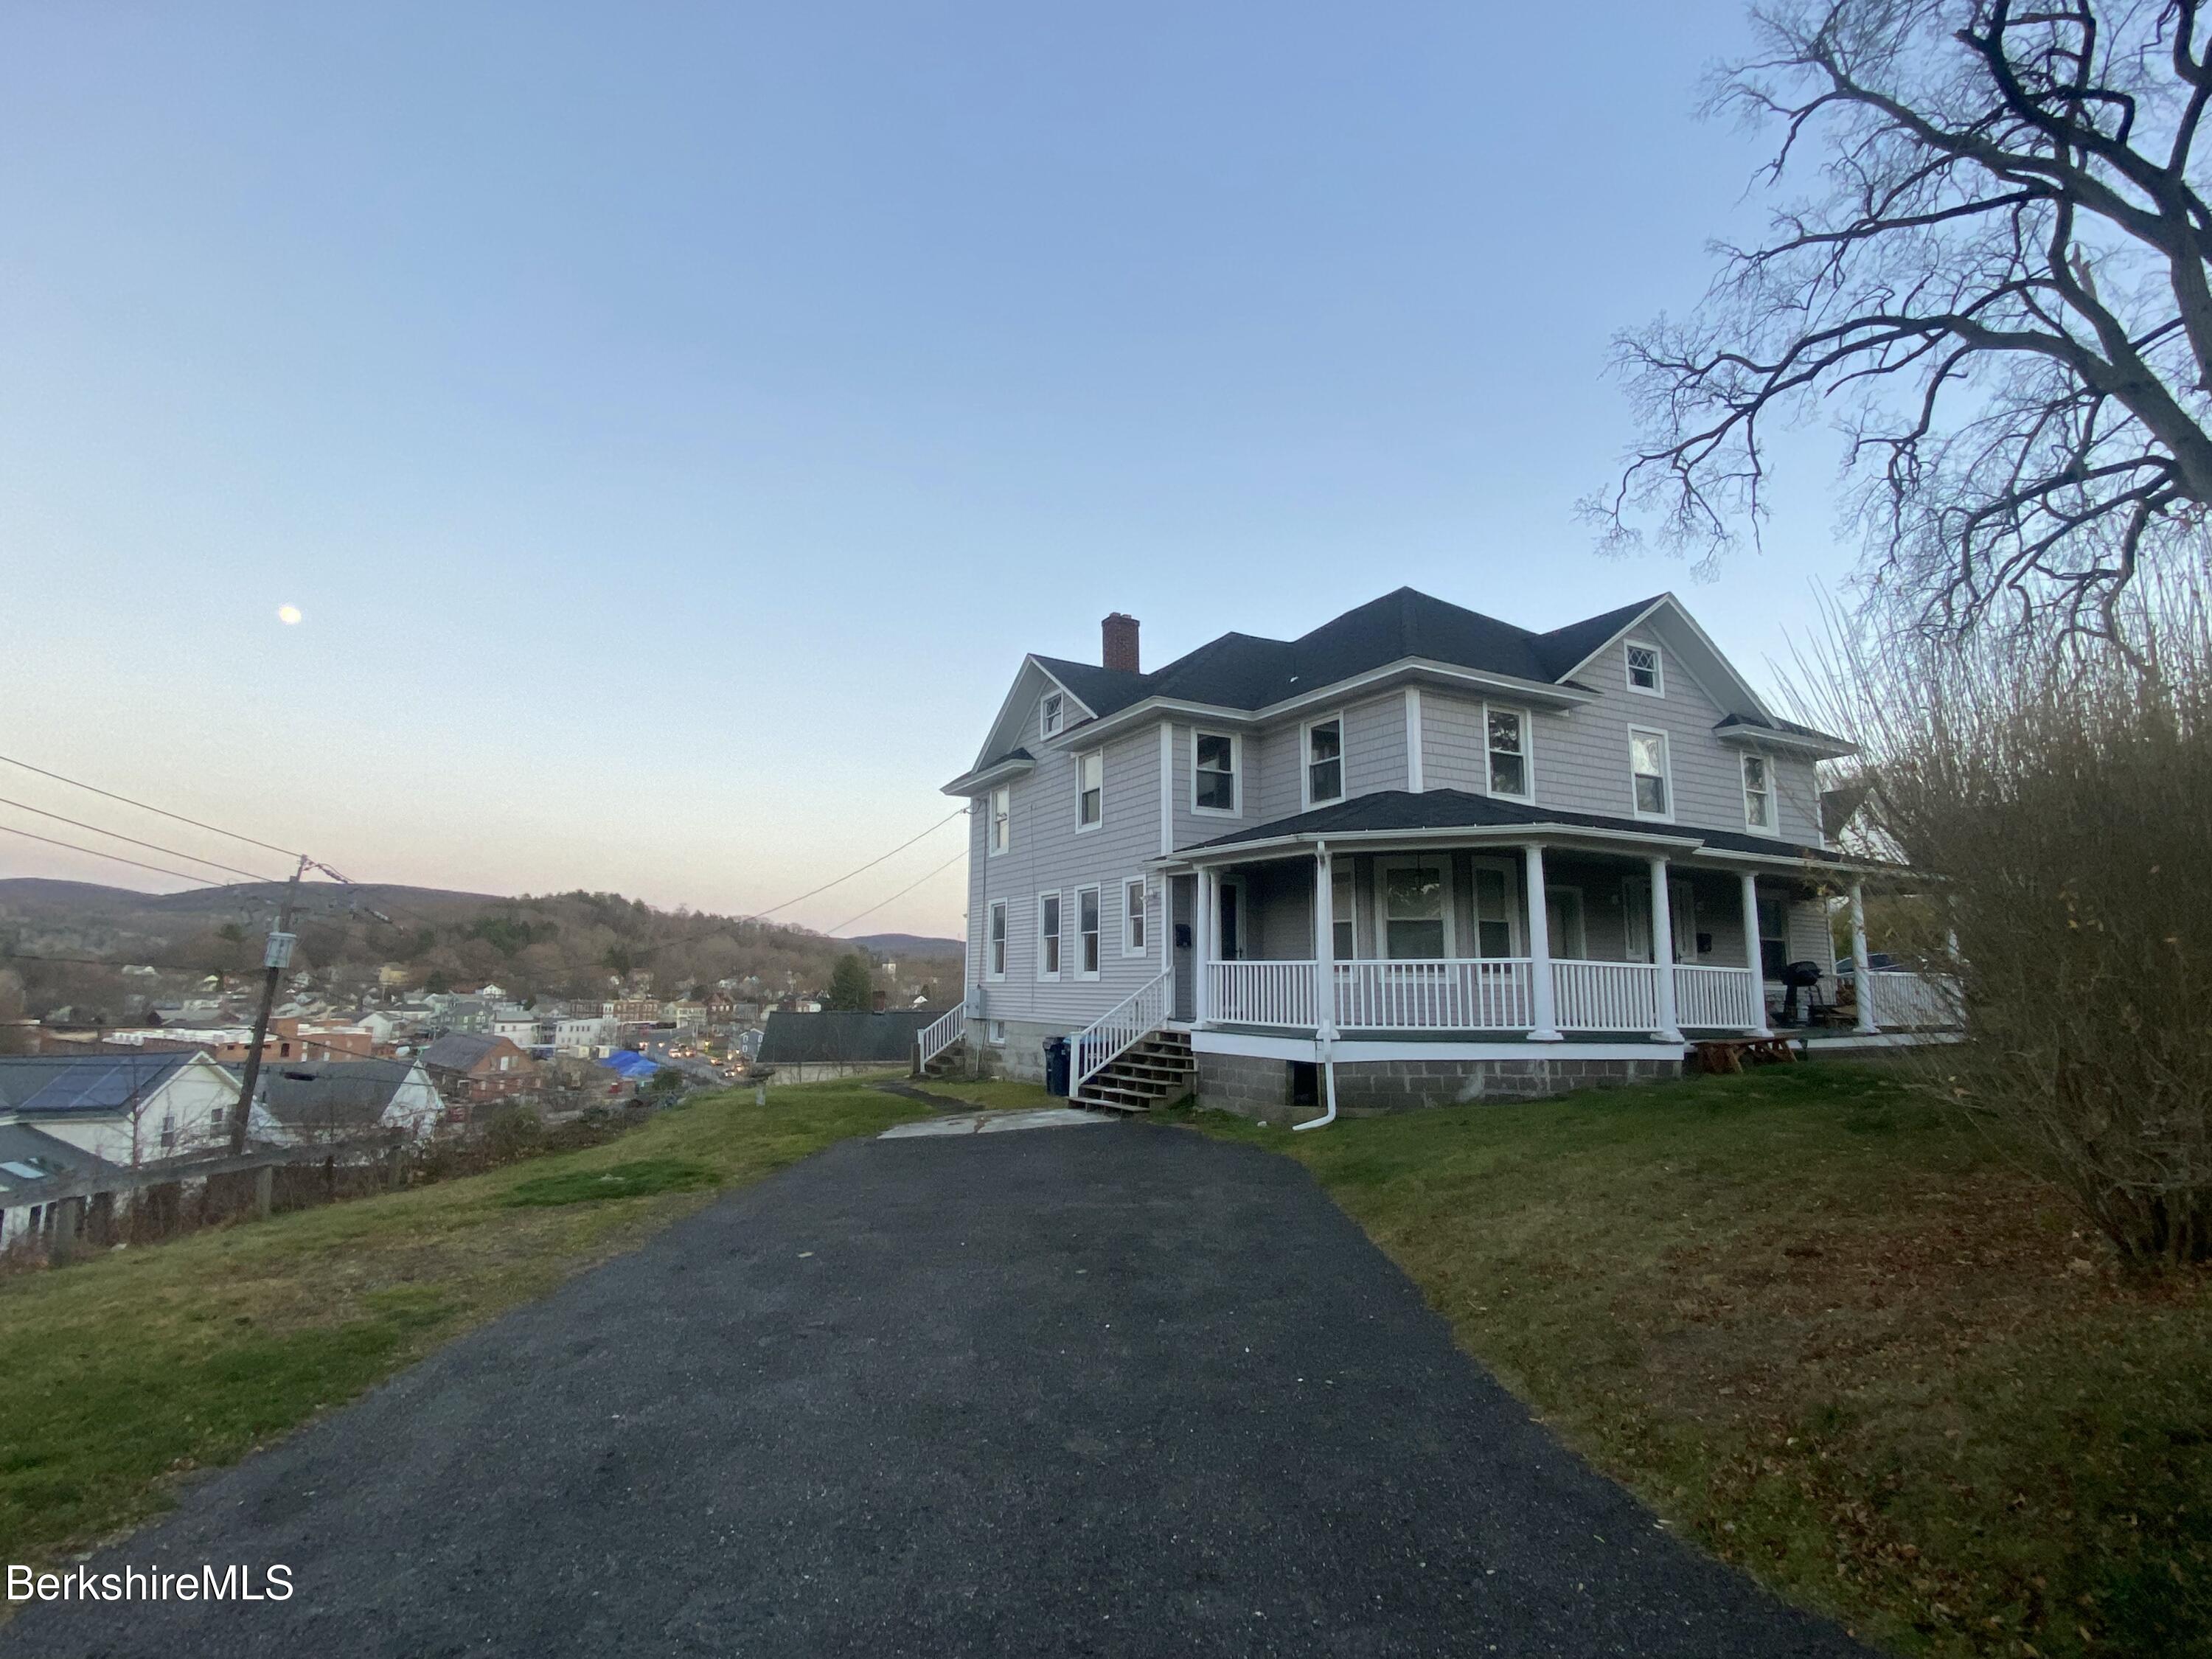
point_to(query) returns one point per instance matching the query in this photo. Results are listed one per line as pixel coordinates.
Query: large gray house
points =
(1508, 834)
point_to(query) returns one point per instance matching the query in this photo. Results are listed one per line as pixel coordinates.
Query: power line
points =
(761, 915)
(117, 857)
(901, 894)
(74, 783)
(117, 835)
(727, 923)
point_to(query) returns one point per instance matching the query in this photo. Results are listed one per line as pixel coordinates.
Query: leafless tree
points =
(1998, 282)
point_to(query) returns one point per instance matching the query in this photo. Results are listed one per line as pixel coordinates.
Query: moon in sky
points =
(288, 614)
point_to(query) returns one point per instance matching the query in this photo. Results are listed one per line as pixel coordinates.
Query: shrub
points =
(2060, 799)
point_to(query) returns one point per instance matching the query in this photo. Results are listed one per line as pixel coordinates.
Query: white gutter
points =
(1323, 1049)
(1325, 1033)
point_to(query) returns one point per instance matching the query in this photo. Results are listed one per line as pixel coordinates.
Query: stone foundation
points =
(1020, 1058)
(1253, 1087)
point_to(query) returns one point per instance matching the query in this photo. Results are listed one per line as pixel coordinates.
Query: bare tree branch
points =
(2001, 290)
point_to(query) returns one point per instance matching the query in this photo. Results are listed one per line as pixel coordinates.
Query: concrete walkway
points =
(1131, 1391)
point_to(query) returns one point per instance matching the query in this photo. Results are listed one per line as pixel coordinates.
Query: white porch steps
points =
(1157, 1069)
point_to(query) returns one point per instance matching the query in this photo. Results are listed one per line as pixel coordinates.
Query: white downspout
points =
(1324, 982)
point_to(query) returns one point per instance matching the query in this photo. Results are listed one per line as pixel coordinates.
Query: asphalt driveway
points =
(1123, 1390)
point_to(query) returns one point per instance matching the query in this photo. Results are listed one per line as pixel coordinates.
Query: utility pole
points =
(275, 958)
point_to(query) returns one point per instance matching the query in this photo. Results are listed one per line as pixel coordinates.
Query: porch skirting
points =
(1376, 1078)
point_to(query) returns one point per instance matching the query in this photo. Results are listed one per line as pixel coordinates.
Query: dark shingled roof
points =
(1242, 670)
(94, 1085)
(845, 1039)
(1454, 809)
(35, 1149)
(323, 1094)
(458, 1051)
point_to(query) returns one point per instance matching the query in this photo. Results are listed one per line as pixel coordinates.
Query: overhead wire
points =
(158, 811)
(150, 846)
(141, 864)
(901, 894)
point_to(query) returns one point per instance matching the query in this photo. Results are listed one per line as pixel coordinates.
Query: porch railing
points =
(1114, 1032)
(940, 1034)
(1723, 998)
(1928, 1000)
(1605, 996)
(1485, 994)
(1261, 992)
(1488, 994)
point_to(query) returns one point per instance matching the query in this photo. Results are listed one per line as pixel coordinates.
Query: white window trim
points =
(1059, 935)
(991, 846)
(1099, 908)
(1666, 773)
(1658, 686)
(1528, 751)
(1236, 775)
(994, 1033)
(1099, 822)
(1047, 727)
(1414, 860)
(1305, 761)
(1773, 824)
(998, 975)
(1143, 947)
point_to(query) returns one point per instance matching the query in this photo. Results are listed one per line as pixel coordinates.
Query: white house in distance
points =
(1423, 853)
(346, 1099)
(126, 1109)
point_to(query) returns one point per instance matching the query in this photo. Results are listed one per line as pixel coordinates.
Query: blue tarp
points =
(629, 1063)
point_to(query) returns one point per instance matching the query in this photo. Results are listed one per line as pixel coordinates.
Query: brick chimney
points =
(1118, 642)
(880, 1001)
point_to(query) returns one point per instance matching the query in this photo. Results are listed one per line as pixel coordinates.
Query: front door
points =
(1183, 911)
(1230, 940)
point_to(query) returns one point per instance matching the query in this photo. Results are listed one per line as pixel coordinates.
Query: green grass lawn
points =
(993, 1092)
(1830, 1334)
(139, 1366)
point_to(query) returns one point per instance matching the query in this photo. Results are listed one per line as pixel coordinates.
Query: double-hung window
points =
(1048, 936)
(1089, 789)
(1644, 671)
(1002, 818)
(1508, 739)
(1086, 932)
(995, 945)
(1493, 910)
(1757, 794)
(1324, 776)
(1134, 939)
(1213, 773)
(1052, 714)
(1647, 766)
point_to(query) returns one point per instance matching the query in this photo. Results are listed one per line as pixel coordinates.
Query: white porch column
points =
(1861, 975)
(1542, 994)
(1324, 944)
(1758, 1027)
(1202, 955)
(1662, 951)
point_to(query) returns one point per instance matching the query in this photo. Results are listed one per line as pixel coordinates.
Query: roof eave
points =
(987, 777)
(1762, 737)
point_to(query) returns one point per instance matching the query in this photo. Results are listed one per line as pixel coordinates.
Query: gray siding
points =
(1047, 853)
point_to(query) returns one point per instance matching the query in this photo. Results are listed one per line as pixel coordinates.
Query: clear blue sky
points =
(673, 422)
